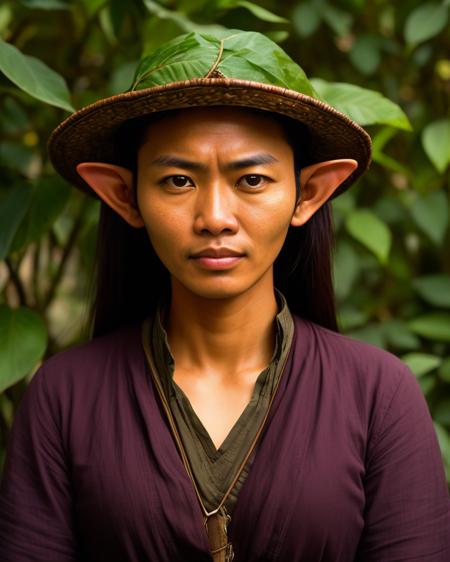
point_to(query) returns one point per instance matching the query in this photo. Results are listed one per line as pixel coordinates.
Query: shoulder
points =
(348, 354)
(83, 368)
(371, 380)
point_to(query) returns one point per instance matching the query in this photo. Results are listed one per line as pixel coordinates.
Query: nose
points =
(215, 210)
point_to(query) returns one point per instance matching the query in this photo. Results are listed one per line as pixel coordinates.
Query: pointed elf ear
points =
(113, 184)
(318, 182)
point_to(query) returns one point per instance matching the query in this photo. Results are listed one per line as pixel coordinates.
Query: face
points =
(216, 191)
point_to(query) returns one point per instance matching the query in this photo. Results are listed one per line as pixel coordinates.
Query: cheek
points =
(272, 221)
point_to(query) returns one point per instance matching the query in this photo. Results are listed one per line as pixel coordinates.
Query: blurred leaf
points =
(92, 6)
(260, 12)
(34, 77)
(351, 318)
(12, 210)
(46, 4)
(421, 363)
(400, 336)
(16, 156)
(425, 22)
(185, 23)
(433, 326)
(121, 78)
(367, 228)
(49, 196)
(435, 289)
(338, 20)
(277, 36)
(372, 333)
(306, 19)
(444, 444)
(430, 213)
(13, 119)
(444, 370)
(442, 412)
(23, 342)
(436, 143)
(366, 107)
(365, 54)
(427, 383)
(346, 270)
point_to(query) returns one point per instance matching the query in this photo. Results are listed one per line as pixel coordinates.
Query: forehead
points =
(230, 125)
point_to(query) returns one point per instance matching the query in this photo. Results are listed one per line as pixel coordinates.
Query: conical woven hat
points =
(242, 69)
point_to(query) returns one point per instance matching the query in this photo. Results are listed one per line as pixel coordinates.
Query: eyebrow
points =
(176, 162)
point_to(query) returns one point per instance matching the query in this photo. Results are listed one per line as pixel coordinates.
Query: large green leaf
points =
(22, 344)
(366, 107)
(434, 326)
(421, 363)
(49, 196)
(234, 53)
(253, 56)
(34, 77)
(435, 289)
(425, 22)
(436, 143)
(12, 210)
(430, 212)
(170, 63)
(367, 228)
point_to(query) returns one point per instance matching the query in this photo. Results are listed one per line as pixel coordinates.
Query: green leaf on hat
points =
(366, 107)
(185, 57)
(34, 77)
(233, 53)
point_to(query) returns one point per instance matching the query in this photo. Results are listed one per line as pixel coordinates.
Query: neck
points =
(222, 336)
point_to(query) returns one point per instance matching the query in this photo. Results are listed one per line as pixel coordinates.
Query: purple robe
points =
(347, 469)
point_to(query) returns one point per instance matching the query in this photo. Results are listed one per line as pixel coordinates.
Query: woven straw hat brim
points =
(89, 134)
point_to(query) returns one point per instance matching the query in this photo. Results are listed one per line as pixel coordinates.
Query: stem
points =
(77, 225)
(17, 282)
(35, 274)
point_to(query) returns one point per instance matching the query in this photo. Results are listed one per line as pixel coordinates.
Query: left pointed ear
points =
(318, 182)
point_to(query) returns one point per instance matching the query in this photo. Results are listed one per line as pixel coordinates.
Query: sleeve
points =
(407, 515)
(36, 523)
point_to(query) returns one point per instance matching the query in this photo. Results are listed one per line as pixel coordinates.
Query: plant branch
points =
(76, 228)
(17, 282)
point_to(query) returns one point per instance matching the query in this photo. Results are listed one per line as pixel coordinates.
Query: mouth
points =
(217, 258)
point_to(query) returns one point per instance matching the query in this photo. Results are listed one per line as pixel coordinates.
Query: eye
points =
(253, 181)
(177, 182)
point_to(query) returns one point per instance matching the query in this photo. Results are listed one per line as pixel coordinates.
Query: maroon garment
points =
(347, 469)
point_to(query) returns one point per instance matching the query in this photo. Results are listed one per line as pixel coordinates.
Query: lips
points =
(217, 259)
(217, 253)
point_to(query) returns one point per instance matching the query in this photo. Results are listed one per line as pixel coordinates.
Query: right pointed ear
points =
(113, 184)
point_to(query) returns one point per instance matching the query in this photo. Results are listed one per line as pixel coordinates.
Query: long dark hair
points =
(130, 279)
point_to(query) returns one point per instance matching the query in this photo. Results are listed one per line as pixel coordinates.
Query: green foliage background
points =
(392, 257)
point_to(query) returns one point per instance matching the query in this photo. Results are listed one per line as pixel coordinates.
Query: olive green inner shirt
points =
(214, 469)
